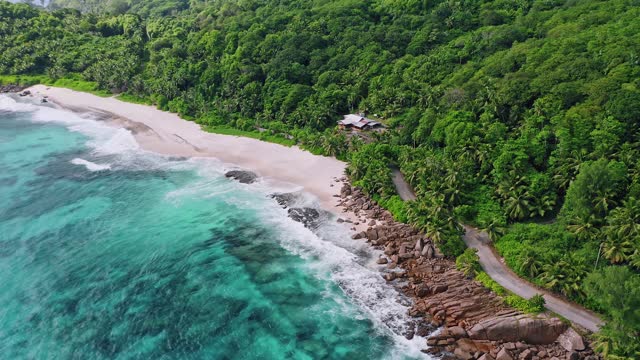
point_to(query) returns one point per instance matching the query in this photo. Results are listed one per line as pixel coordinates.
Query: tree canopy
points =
(519, 117)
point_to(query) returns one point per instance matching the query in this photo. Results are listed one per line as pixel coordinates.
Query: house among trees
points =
(358, 122)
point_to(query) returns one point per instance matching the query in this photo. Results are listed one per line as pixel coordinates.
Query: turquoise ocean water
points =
(111, 252)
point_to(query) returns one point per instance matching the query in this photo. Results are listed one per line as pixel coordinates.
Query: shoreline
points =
(442, 297)
(167, 134)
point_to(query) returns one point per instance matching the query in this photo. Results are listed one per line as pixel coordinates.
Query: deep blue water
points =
(109, 252)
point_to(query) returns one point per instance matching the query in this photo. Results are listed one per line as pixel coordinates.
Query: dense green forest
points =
(519, 117)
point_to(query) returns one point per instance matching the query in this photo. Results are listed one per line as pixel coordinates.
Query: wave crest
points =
(11, 105)
(91, 166)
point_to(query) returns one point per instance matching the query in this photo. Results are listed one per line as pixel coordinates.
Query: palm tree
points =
(572, 286)
(314, 142)
(418, 213)
(468, 268)
(494, 230)
(541, 205)
(564, 276)
(452, 179)
(625, 220)
(512, 184)
(453, 225)
(469, 152)
(584, 228)
(517, 206)
(567, 171)
(435, 232)
(452, 195)
(603, 202)
(617, 249)
(415, 174)
(529, 264)
(635, 259)
(603, 344)
(355, 143)
(552, 276)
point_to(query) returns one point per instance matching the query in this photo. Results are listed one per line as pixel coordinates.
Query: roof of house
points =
(357, 121)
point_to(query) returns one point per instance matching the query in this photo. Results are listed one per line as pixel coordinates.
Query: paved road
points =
(403, 189)
(492, 264)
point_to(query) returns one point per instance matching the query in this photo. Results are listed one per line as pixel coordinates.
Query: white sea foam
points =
(91, 166)
(349, 264)
(10, 105)
(102, 138)
(329, 251)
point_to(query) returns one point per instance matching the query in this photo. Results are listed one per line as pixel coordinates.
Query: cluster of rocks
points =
(475, 322)
(353, 200)
(513, 337)
(310, 217)
(11, 88)
(243, 176)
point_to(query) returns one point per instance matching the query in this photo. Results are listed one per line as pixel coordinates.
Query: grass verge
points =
(134, 99)
(534, 305)
(73, 83)
(224, 130)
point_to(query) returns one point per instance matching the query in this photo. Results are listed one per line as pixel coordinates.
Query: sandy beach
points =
(168, 134)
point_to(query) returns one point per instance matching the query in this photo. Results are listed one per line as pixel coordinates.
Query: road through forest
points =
(494, 266)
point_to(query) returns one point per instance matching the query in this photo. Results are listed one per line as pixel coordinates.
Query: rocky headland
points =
(458, 316)
(472, 321)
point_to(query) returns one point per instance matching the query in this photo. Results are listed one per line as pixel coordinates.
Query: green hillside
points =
(518, 117)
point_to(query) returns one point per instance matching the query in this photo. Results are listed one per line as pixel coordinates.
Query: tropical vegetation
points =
(518, 117)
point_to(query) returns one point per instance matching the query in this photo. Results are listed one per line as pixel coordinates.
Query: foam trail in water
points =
(10, 105)
(90, 165)
(348, 266)
(104, 140)
(329, 252)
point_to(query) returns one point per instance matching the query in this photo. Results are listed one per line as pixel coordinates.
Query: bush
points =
(550, 241)
(490, 284)
(486, 207)
(538, 301)
(532, 306)
(466, 213)
(452, 245)
(396, 207)
(212, 118)
(468, 262)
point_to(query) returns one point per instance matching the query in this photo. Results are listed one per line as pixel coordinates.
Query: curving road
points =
(493, 265)
(402, 187)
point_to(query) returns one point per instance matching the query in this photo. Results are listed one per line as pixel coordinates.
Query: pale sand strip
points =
(166, 133)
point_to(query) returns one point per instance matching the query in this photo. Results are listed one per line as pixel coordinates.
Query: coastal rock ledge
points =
(539, 330)
(243, 176)
(11, 88)
(475, 322)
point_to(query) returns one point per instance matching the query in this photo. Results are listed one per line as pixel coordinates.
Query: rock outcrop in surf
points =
(242, 176)
(475, 322)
